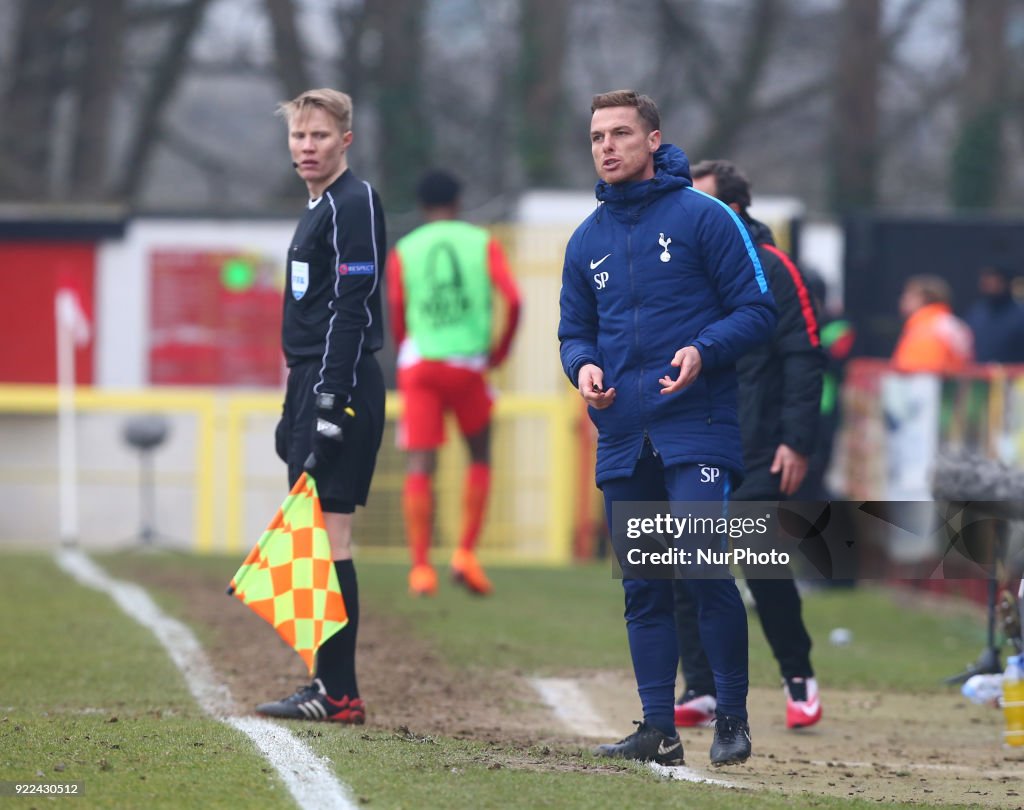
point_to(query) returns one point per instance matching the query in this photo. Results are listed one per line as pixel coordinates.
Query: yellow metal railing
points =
(224, 477)
(198, 402)
(558, 467)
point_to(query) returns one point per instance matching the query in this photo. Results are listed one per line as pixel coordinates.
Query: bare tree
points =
(681, 37)
(98, 82)
(160, 90)
(353, 25)
(829, 92)
(855, 115)
(732, 105)
(403, 130)
(36, 81)
(289, 53)
(542, 47)
(68, 69)
(977, 156)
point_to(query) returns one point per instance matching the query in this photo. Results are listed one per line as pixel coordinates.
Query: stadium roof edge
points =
(36, 221)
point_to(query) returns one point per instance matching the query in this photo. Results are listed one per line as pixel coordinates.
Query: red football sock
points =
(418, 506)
(474, 503)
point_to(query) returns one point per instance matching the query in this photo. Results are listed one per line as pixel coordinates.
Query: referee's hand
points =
(330, 428)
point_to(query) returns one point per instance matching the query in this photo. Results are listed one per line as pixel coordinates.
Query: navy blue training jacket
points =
(659, 266)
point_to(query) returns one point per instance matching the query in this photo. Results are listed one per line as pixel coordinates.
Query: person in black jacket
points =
(996, 318)
(779, 399)
(333, 415)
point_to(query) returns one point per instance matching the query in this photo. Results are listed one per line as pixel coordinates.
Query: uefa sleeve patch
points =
(357, 269)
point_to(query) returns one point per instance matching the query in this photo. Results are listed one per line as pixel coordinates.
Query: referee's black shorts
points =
(345, 483)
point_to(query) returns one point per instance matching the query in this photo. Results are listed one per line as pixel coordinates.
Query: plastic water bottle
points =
(985, 690)
(1013, 701)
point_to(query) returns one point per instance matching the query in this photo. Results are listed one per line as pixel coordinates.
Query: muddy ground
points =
(931, 748)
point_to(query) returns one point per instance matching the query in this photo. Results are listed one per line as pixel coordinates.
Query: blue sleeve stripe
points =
(751, 250)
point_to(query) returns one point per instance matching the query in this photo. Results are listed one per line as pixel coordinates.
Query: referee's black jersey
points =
(332, 309)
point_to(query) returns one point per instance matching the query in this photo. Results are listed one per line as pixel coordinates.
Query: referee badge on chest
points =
(300, 279)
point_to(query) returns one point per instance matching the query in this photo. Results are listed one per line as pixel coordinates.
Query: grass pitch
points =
(89, 696)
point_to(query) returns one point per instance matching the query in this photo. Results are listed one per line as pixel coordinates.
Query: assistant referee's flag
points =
(289, 577)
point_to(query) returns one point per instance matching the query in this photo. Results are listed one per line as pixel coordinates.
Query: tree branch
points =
(159, 93)
(692, 44)
(289, 53)
(98, 82)
(732, 110)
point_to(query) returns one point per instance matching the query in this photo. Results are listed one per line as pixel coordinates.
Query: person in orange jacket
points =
(933, 338)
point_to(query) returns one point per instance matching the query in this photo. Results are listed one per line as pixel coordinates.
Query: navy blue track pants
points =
(649, 613)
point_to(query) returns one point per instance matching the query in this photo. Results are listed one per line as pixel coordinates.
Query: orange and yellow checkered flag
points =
(289, 577)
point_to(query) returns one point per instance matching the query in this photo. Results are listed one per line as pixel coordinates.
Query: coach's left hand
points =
(689, 363)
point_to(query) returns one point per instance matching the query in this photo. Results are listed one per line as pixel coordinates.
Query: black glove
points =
(332, 423)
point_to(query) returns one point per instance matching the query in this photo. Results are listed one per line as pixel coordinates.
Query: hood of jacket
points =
(671, 172)
(760, 233)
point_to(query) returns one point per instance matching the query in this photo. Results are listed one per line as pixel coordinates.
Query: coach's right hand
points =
(591, 385)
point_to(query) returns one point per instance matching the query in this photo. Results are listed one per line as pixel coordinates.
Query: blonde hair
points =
(336, 104)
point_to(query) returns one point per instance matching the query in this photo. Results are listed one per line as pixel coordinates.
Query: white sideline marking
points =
(571, 705)
(311, 783)
(176, 638)
(309, 779)
(685, 774)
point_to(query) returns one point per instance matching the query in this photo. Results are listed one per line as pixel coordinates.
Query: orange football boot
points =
(422, 580)
(466, 571)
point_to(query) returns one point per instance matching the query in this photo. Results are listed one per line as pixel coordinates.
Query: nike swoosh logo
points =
(809, 708)
(662, 750)
(594, 265)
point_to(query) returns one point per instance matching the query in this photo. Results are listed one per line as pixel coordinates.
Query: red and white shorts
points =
(429, 389)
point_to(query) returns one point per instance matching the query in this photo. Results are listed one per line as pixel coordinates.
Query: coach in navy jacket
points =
(656, 267)
(662, 292)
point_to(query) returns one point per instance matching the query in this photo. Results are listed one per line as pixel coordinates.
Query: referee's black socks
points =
(336, 659)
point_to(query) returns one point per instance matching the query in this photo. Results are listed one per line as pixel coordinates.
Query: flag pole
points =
(67, 439)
